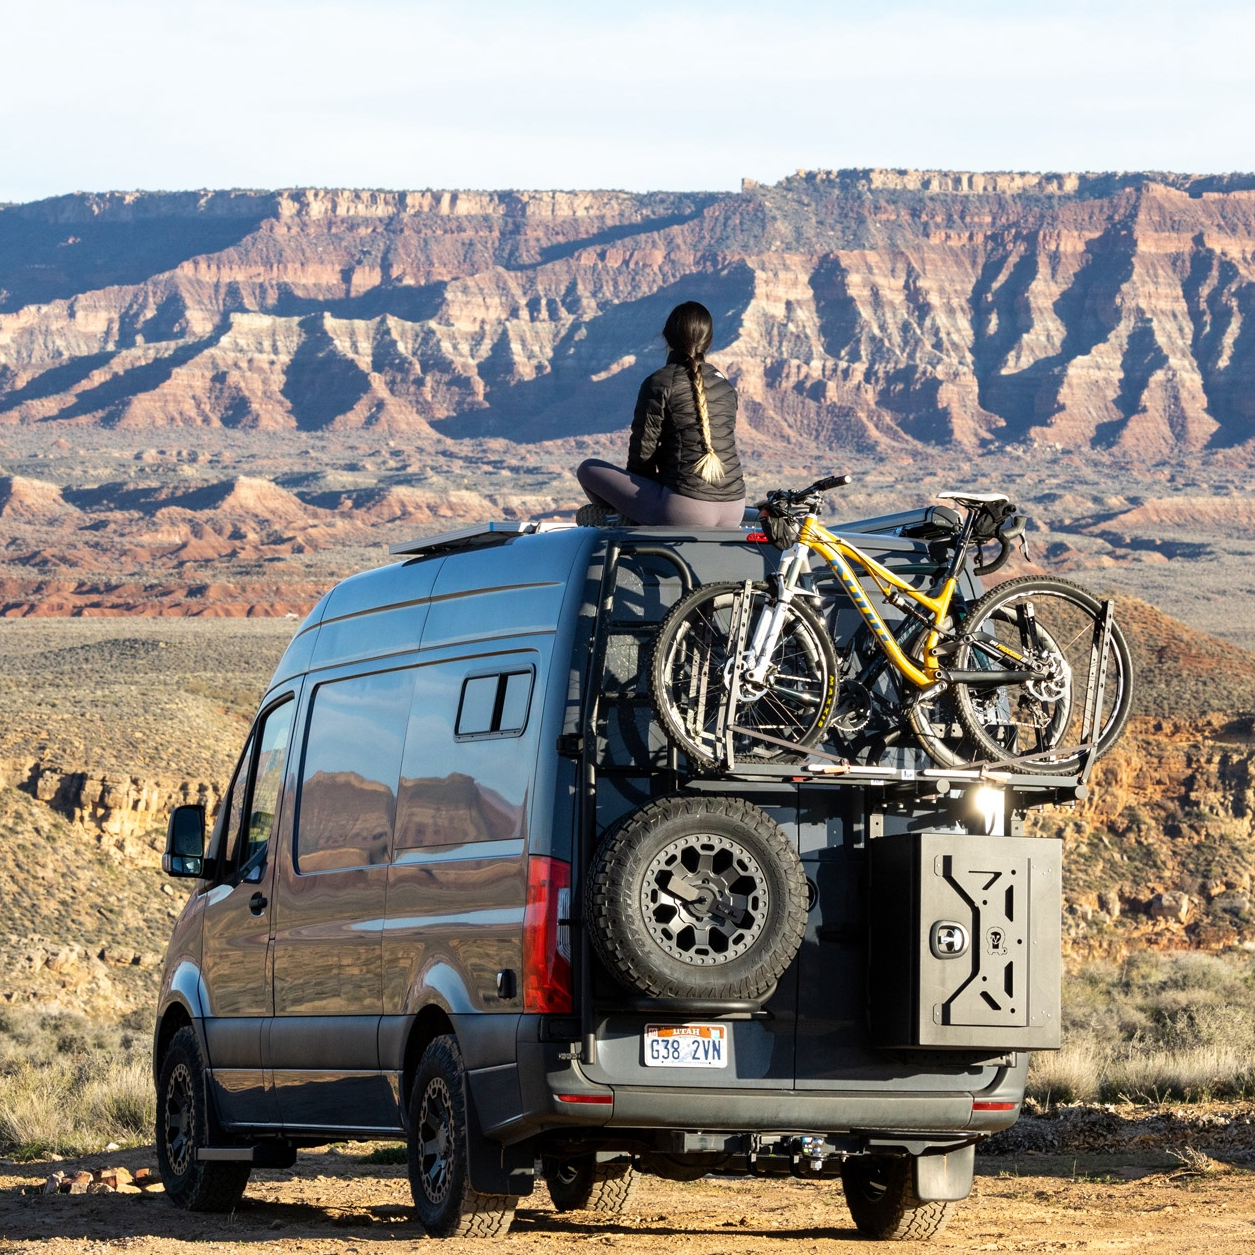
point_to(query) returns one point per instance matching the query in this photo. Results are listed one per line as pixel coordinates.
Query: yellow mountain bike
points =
(1036, 675)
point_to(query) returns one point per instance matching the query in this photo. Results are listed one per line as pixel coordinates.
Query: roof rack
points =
(477, 534)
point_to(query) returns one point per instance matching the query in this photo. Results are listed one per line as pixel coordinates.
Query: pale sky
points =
(168, 94)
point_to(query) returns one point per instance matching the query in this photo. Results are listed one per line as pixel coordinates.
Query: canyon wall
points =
(856, 309)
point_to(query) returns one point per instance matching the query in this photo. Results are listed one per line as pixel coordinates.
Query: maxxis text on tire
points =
(584, 1184)
(696, 897)
(184, 1124)
(881, 1197)
(438, 1153)
(687, 678)
(1012, 720)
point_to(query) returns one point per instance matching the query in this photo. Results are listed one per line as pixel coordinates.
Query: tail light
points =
(546, 937)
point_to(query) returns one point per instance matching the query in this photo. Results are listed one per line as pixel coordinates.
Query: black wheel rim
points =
(180, 1120)
(567, 1174)
(704, 899)
(435, 1135)
(872, 1182)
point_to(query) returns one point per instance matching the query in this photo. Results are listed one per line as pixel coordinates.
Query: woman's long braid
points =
(710, 468)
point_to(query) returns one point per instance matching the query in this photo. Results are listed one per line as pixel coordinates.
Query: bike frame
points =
(842, 557)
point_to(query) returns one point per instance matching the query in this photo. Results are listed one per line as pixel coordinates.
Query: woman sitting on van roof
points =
(682, 464)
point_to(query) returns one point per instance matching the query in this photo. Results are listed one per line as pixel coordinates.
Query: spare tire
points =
(697, 897)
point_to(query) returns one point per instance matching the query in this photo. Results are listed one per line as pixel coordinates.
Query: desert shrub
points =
(1157, 1027)
(71, 1086)
(1072, 1074)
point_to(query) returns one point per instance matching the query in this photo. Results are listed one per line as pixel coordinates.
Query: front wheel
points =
(1052, 627)
(691, 670)
(882, 1200)
(183, 1125)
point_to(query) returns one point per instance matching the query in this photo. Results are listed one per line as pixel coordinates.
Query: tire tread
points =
(210, 1187)
(899, 1215)
(467, 1213)
(617, 933)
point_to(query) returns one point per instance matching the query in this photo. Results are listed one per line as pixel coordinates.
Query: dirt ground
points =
(334, 1204)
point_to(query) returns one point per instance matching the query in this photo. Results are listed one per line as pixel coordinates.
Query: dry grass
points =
(69, 1087)
(75, 1106)
(1158, 1028)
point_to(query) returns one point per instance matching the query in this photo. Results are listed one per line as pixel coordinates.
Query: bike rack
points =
(1095, 686)
(737, 637)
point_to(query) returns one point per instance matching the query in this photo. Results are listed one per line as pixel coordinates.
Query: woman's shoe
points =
(599, 516)
(591, 515)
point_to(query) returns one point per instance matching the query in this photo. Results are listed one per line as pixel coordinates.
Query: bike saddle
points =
(974, 499)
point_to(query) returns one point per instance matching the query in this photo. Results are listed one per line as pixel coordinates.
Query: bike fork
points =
(757, 657)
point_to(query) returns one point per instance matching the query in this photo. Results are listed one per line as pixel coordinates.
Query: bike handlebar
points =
(825, 485)
(802, 494)
(1007, 534)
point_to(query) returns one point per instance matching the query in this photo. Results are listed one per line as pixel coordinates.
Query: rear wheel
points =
(584, 1184)
(183, 1127)
(882, 1201)
(438, 1152)
(690, 672)
(1053, 625)
(694, 897)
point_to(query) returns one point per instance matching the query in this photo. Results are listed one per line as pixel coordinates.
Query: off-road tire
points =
(438, 1155)
(725, 851)
(691, 653)
(997, 719)
(881, 1197)
(584, 1184)
(185, 1124)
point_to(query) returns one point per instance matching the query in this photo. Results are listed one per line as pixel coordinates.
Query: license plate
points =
(686, 1045)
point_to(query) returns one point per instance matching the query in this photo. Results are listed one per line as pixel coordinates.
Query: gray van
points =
(405, 922)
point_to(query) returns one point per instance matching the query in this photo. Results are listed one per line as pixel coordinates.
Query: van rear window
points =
(495, 705)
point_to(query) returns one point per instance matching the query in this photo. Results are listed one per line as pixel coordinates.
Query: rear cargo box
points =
(965, 942)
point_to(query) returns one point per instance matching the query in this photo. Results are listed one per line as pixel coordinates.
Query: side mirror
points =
(185, 843)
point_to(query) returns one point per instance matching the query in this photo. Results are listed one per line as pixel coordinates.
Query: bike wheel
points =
(691, 668)
(1054, 624)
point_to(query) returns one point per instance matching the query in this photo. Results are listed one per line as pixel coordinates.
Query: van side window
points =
(350, 771)
(495, 705)
(459, 783)
(235, 806)
(263, 807)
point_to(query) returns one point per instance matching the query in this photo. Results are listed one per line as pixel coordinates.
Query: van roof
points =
(476, 533)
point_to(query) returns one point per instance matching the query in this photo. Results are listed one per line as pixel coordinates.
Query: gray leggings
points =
(647, 501)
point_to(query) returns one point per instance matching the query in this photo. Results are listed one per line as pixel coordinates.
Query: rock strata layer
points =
(855, 308)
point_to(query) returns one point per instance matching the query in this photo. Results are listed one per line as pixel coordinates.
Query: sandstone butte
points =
(860, 309)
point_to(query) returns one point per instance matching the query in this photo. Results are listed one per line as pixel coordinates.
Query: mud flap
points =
(944, 1178)
(494, 1168)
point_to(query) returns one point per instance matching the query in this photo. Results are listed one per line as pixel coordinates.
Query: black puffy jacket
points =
(666, 442)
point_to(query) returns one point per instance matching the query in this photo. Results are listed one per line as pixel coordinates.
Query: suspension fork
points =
(771, 623)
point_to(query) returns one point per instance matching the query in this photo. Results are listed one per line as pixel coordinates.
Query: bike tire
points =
(688, 679)
(1038, 718)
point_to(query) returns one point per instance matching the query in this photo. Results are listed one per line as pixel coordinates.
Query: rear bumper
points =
(546, 1092)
